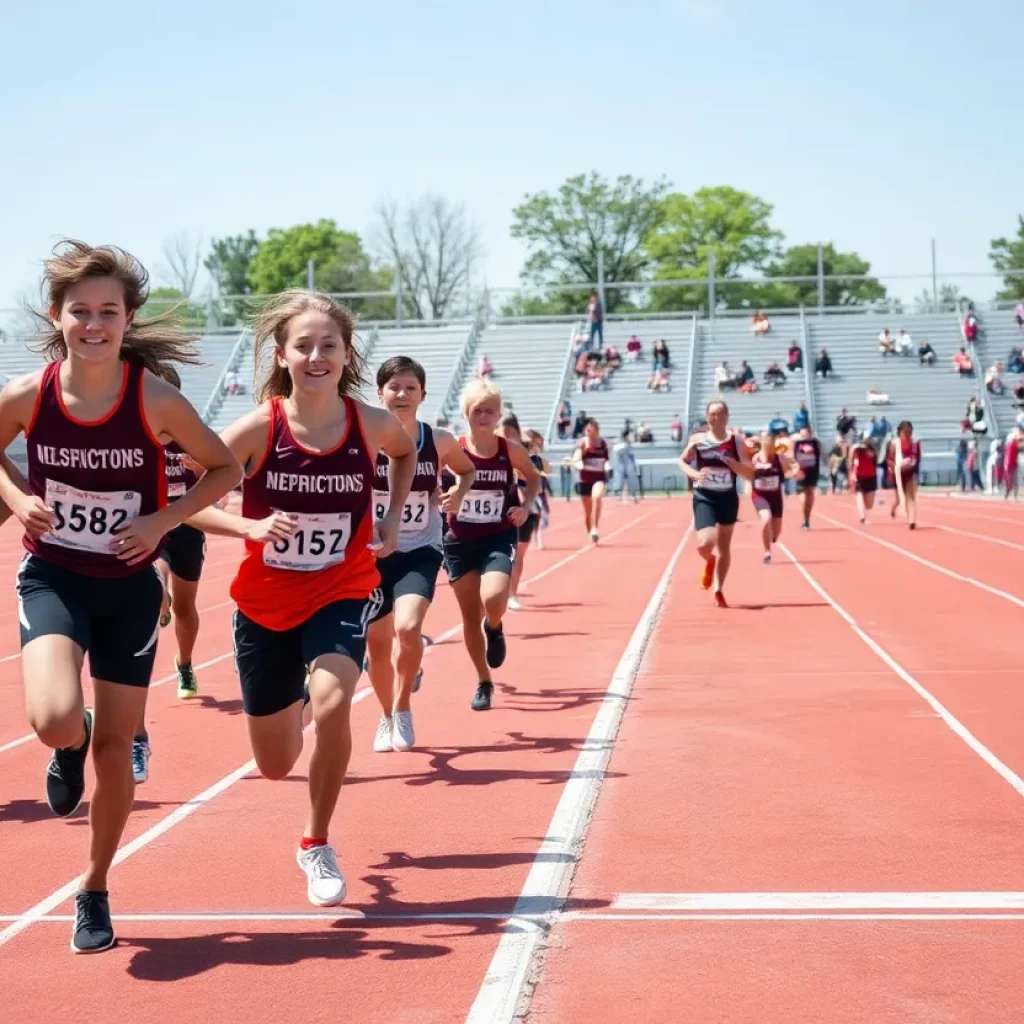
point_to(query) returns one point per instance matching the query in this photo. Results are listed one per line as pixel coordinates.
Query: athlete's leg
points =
(51, 667)
(587, 511)
(597, 499)
(765, 516)
(776, 528)
(467, 593)
(410, 612)
(724, 545)
(276, 740)
(910, 494)
(494, 588)
(379, 648)
(186, 617)
(517, 568)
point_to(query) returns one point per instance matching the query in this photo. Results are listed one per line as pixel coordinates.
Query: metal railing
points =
(809, 374)
(462, 360)
(216, 400)
(691, 373)
(578, 328)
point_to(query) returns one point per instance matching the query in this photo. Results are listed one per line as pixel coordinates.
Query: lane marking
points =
(506, 983)
(740, 917)
(980, 536)
(827, 901)
(952, 574)
(951, 721)
(56, 898)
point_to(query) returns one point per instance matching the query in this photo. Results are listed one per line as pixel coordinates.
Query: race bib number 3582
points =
(86, 520)
(319, 541)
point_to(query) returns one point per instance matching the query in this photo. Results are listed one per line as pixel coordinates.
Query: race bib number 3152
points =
(319, 541)
(482, 507)
(86, 520)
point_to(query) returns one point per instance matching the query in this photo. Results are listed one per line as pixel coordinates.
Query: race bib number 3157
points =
(318, 542)
(86, 520)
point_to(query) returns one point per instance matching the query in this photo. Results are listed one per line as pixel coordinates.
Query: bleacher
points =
(730, 339)
(932, 397)
(999, 333)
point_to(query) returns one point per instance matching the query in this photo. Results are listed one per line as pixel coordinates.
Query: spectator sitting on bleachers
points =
(1018, 391)
(802, 418)
(845, 423)
(580, 369)
(634, 347)
(962, 363)
(925, 353)
(564, 419)
(597, 376)
(823, 364)
(773, 375)
(612, 359)
(759, 323)
(993, 381)
(876, 397)
(1018, 315)
(885, 345)
(644, 434)
(974, 416)
(971, 326)
(725, 379)
(903, 343)
(794, 358)
(660, 356)
(580, 426)
(485, 367)
(659, 380)
(1015, 363)
(778, 425)
(676, 429)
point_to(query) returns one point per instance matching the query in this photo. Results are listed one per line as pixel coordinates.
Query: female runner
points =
(480, 545)
(864, 474)
(807, 453)
(531, 526)
(94, 520)
(306, 589)
(718, 455)
(591, 459)
(907, 467)
(409, 575)
(767, 470)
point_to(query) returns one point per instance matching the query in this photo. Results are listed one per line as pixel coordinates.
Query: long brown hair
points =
(270, 331)
(154, 343)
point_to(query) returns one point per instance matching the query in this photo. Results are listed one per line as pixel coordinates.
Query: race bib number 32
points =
(319, 541)
(414, 514)
(86, 520)
(482, 507)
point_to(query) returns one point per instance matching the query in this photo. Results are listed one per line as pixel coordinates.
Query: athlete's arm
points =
(576, 459)
(453, 456)
(689, 451)
(384, 433)
(742, 466)
(521, 463)
(17, 406)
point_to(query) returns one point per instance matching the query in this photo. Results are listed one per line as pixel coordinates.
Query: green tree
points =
(1007, 256)
(167, 300)
(565, 230)
(731, 224)
(228, 264)
(802, 261)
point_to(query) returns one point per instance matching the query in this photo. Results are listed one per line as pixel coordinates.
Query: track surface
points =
(813, 809)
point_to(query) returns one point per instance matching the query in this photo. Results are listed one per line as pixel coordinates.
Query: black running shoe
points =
(65, 776)
(482, 698)
(495, 645)
(94, 931)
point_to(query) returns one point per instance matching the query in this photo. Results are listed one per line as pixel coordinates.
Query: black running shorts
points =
(185, 551)
(715, 508)
(528, 529)
(407, 572)
(495, 553)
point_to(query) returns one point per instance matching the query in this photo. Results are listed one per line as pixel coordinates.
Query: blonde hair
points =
(270, 328)
(153, 343)
(477, 391)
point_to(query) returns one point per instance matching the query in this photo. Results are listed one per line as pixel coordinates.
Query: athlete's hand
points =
(32, 513)
(517, 515)
(450, 502)
(137, 539)
(702, 476)
(277, 526)
(189, 463)
(385, 537)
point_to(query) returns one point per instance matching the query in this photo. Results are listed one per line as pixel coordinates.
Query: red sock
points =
(308, 844)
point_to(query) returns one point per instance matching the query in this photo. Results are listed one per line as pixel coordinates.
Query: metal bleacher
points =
(999, 333)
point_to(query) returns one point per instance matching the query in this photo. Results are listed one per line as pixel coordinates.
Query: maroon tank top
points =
(595, 456)
(767, 475)
(180, 479)
(95, 477)
(494, 492)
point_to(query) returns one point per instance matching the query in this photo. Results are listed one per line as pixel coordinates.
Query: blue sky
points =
(869, 125)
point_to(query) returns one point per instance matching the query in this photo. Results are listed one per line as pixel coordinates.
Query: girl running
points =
(591, 459)
(480, 545)
(864, 474)
(807, 453)
(906, 470)
(535, 446)
(767, 470)
(95, 517)
(717, 456)
(306, 589)
(510, 431)
(408, 576)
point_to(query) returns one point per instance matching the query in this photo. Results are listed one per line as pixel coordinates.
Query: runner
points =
(807, 452)
(1011, 459)
(864, 474)
(307, 586)
(94, 522)
(907, 468)
(535, 446)
(511, 432)
(718, 453)
(409, 575)
(591, 459)
(767, 470)
(480, 545)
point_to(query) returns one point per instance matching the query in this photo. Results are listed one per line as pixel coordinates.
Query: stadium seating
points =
(999, 333)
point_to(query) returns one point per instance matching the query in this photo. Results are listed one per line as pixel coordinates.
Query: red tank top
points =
(94, 476)
(594, 456)
(328, 558)
(180, 479)
(866, 462)
(911, 452)
(485, 507)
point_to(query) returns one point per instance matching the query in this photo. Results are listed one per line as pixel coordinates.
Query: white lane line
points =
(506, 982)
(576, 916)
(1012, 598)
(818, 901)
(980, 536)
(953, 723)
(55, 899)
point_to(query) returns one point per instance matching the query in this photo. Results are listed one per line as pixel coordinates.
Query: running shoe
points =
(708, 576)
(720, 599)
(140, 761)
(805, 526)
(482, 698)
(403, 736)
(514, 605)
(65, 775)
(325, 884)
(188, 685)
(383, 740)
(418, 681)
(594, 535)
(767, 560)
(496, 648)
(93, 931)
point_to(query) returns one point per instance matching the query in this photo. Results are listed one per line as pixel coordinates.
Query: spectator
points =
(580, 370)
(595, 317)
(644, 435)
(564, 419)
(612, 359)
(994, 466)
(903, 343)
(837, 464)
(760, 324)
(845, 423)
(884, 426)
(746, 374)
(962, 362)
(794, 358)
(676, 429)
(823, 364)
(925, 353)
(973, 467)
(597, 376)
(660, 356)
(627, 474)
(993, 381)
(231, 383)
(885, 343)
(484, 368)
(1018, 391)
(974, 416)
(659, 380)
(777, 425)
(875, 429)
(580, 426)
(971, 327)
(1018, 315)
(1015, 362)
(724, 377)
(773, 375)
(876, 397)
(634, 349)
(802, 418)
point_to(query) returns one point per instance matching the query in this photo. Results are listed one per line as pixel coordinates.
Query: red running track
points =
(812, 810)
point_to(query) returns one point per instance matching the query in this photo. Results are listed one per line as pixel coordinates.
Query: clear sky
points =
(878, 125)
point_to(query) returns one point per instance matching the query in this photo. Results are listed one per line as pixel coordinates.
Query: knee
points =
(378, 647)
(276, 765)
(111, 755)
(409, 637)
(705, 549)
(58, 728)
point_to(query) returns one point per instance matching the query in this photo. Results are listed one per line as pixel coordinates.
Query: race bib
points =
(176, 490)
(806, 459)
(717, 480)
(482, 507)
(594, 464)
(415, 515)
(319, 541)
(766, 483)
(86, 520)
(909, 462)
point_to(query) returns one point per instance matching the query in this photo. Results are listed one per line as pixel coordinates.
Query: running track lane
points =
(448, 829)
(776, 753)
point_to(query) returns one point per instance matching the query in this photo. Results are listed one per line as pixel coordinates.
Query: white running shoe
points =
(382, 741)
(402, 734)
(594, 535)
(514, 605)
(140, 761)
(325, 882)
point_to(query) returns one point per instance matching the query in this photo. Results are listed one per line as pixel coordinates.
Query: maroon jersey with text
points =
(595, 458)
(767, 474)
(494, 492)
(180, 479)
(95, 477)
